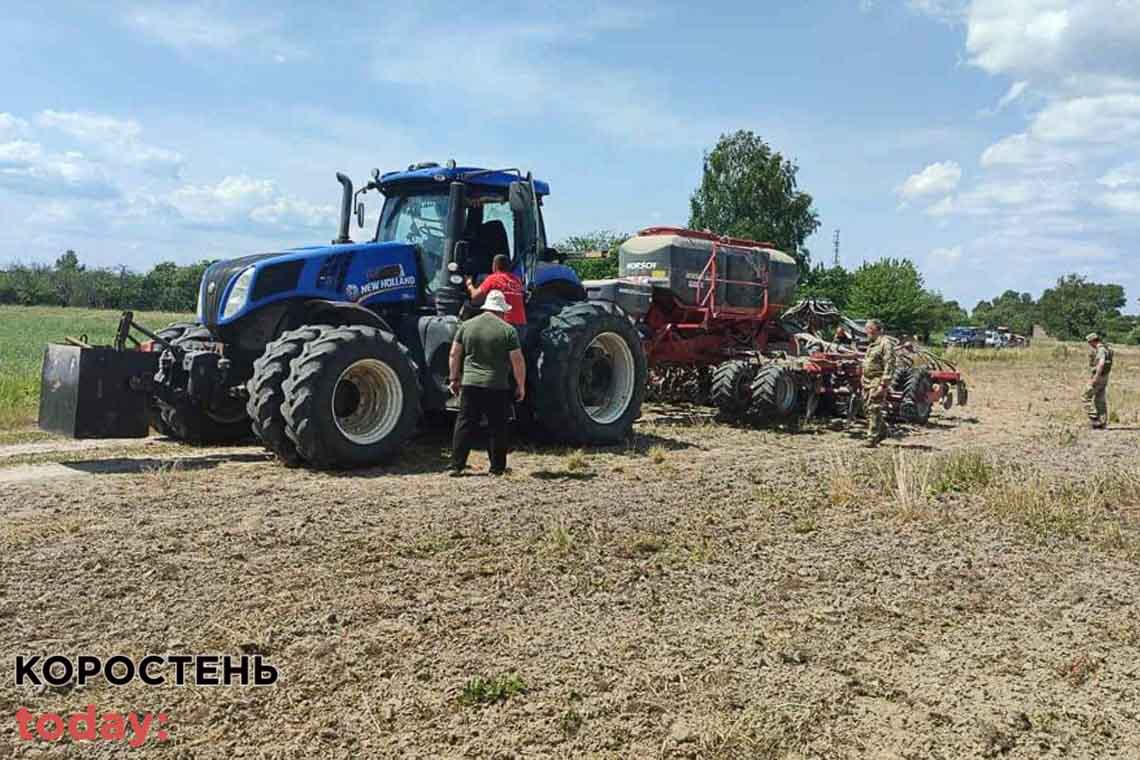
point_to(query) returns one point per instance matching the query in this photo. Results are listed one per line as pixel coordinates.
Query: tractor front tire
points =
(915, 406)
(266, 394)
(590, 375)
(774, 394)
(171, 333)
(191, 422)
(732, 389)
(352, 398)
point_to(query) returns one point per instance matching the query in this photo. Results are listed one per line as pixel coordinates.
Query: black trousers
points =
(474, 404)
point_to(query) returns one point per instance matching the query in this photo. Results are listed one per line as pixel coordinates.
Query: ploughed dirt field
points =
(968, 590)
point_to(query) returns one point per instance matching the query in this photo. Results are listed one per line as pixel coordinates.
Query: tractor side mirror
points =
(360, 214)
(376, 175)
(519, 195)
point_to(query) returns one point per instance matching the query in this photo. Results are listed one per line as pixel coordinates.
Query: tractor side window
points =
(501, 212)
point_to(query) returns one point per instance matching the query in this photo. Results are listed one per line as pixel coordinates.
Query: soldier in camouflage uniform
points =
(1096, 392)
(878, 369)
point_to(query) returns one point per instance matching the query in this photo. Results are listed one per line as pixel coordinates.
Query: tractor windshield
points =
(420, 220)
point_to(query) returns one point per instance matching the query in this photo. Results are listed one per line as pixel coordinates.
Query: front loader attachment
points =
(97, 391)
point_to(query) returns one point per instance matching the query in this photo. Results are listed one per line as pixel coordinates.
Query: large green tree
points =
(748, 190)
(1018, 311)
(1075, 307)
(891, 290)
(833, 283)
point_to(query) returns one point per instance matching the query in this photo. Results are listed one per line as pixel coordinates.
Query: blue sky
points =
(994, 142)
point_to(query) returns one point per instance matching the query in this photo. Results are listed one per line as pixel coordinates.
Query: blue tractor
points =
(332, 354)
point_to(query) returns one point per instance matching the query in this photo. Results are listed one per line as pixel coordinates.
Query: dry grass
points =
(576, 461)
(841, 480)
(1093, 507)
(907, 481)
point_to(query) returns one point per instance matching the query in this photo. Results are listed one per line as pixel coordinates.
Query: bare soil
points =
(705, 591)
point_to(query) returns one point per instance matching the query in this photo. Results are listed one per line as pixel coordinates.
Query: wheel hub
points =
(367, 401)
(606, 378)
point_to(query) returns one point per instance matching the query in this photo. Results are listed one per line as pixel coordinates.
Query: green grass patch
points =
(25, 330)
(962, 472)
(485, 691)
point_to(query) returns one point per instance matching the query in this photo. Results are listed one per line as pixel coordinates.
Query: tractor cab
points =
(459, 219)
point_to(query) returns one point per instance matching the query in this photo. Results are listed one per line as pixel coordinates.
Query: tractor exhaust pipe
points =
(345, 209)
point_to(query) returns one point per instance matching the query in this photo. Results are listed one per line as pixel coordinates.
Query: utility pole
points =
(835, 260)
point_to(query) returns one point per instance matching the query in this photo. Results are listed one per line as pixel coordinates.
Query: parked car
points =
(965, 337)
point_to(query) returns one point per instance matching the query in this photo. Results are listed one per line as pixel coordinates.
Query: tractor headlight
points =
(239, 294)
(200, 309)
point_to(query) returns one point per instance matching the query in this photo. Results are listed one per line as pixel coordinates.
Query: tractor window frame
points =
(431, 256)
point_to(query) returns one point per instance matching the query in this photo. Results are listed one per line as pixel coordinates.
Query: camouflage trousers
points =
(873, 397)
(1095, 397)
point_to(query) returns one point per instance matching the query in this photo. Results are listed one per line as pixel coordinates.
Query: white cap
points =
(496, 301)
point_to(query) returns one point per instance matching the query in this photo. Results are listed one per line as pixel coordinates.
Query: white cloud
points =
(1125, 201)
(11, 125)
(941, 259)
(116, 140)
(1064, 40)
(944, 207)
(19, 153)
(185, 27)
(188, 27)
(1016, 90)
(1127, 174)
(1106, 118)
(941, 177)
(1018, 196)
(608, 99)
(1023, 150)
(237, 201)
(25, 167)
(943, 10)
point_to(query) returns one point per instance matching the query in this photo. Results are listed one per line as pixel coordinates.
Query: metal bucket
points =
(96, 392)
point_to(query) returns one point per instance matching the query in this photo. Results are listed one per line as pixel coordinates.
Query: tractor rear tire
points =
(774, 394)
(266, 394)
(172, 333)
(590, 375)
(915, 406)
(191, 422)
(732, 389)
(352, 398)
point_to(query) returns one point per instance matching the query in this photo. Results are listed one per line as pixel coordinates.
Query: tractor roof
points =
(498, 179)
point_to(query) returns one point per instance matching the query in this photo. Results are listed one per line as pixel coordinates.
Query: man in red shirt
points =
(501, 279)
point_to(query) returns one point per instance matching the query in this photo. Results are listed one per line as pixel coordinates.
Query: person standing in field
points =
(878, 369)
(508, 284)
(486, 348)
(1096, 392)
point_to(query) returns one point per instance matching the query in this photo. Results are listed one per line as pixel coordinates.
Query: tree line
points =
(67, 282)
(747, 190)
(1069, 310)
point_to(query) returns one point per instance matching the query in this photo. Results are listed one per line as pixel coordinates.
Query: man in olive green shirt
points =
(487, 348)
(878, 369)
(1096, 392)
